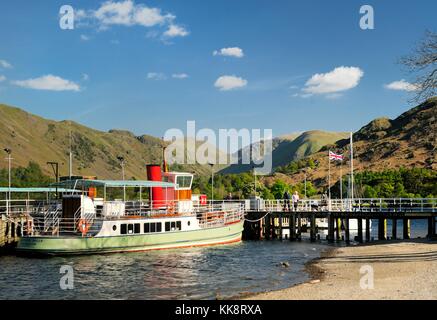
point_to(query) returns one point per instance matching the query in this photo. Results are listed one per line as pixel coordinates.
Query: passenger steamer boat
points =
(170, 217)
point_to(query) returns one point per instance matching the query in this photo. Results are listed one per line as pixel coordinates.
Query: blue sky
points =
(133, 73)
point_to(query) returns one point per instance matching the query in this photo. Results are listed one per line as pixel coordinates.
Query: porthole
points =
(189, 222)
(114, 227)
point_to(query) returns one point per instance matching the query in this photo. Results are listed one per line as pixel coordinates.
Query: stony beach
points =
(401, 270)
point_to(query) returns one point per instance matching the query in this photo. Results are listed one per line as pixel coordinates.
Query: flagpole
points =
(352, 169)
(329, 175)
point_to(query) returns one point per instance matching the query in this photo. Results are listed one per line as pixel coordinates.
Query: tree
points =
(423, 63)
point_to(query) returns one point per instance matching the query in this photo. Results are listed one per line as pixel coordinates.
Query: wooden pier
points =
(11, 229)
(269, 220)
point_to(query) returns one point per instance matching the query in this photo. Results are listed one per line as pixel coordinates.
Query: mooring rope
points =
(253, 221)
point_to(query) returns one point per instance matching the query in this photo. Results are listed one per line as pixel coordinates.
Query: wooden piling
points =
(267, 227)
(331, 229)
(382, 229)
(313, 228)
(280, 226)
(338, 229)
(394, 229)
(346, 230)
(407, 228)
(360, 230)
(299, 226)
(292, 227)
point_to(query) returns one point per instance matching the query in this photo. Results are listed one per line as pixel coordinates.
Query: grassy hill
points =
(289, 148)
(95, 152)
(409, 141)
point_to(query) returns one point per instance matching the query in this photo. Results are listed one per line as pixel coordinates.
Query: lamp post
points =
(212, 183)
(55, 168)
(122, 163)
(254, 178)
(9, 152)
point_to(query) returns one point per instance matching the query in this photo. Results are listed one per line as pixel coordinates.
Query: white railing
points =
(360, 204)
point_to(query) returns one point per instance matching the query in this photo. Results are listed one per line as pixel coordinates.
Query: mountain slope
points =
(290, 148)
(95, 152)
(408, 141)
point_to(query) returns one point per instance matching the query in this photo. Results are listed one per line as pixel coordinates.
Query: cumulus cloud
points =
(156, 76)
(402, 85)
(128, 13)
(48, 82)
(2, 78)
(229, 52)
(176, 31)
(179, 75)
(338, 80)
(225, 83)
(5, 64)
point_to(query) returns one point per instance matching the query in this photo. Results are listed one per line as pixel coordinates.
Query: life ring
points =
(83, 226)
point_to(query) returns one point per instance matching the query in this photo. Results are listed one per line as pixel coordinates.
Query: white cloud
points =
(176, 31)
(402, 85)
(128, 13)
(229, 52)
(84, 37)
(2, 78)
(156, 76)
(225, 83)
(5, 64)
(85, 77)
(179, 75)
(339, 79)
(48, 82)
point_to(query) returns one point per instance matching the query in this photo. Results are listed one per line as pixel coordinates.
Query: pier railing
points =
(346, 205)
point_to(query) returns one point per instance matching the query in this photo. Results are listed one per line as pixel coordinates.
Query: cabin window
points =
(123, 229)
(114, 227)
(167, 226)
(130, 228)
(152, 227)
(178, 225)
(137, 228)
(189, 222)
(184, 182)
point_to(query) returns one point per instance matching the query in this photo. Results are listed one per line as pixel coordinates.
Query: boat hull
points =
(64, 245)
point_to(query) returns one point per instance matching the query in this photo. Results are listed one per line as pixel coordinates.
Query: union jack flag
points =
(334, 156)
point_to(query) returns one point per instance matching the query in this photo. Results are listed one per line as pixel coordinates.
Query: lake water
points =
(192, 273)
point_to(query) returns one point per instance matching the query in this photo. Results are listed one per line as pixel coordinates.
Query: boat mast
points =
(71, 157)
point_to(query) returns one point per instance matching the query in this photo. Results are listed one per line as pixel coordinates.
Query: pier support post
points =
(292, 227)
(407, 228)
(382, 229)
(299, 226)
(367, 230)
(313, 228)
(338, 229)
(330, 229)
(346, 230)
(267, 227)
(280, 226)
(394, 229)
(431, 227)
(360, 230)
